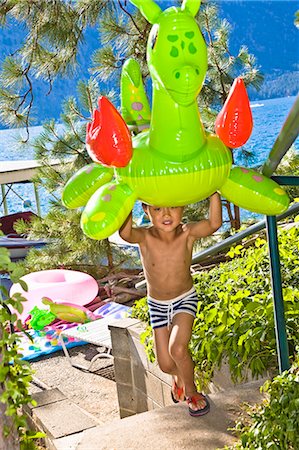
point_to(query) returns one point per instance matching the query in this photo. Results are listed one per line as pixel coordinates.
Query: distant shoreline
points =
(252, 102)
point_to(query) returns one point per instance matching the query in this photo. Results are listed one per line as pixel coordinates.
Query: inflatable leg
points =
(107, 210)
(135, 107)
(253, 191)
(84, 183)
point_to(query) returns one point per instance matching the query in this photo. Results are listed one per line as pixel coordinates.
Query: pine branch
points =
(131, 17)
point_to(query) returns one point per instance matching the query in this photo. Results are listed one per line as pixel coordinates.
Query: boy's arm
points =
(130, 233)
(208, 226)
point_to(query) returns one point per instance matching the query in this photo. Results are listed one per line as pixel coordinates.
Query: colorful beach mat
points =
(47, 341)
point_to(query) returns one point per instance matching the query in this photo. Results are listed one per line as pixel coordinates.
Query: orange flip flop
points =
(176, 391)
(200, 411)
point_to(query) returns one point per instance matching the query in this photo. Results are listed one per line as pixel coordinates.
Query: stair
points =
(165, 428)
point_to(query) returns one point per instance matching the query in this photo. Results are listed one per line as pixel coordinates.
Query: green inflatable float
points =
(174, 161)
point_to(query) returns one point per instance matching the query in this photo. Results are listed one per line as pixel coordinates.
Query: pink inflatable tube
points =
(58, 284)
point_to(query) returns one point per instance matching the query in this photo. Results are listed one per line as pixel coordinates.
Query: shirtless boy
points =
(166, 253)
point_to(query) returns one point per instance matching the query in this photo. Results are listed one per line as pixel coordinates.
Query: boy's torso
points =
(166, 264)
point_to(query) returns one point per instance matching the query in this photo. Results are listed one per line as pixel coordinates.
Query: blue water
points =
(268, 116)
(12, 149)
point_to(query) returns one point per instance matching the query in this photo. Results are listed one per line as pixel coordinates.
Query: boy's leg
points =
(165, 361)
(178, 348)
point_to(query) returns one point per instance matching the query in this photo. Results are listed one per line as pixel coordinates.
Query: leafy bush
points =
(15, 374)
(140, 310)
(235, 320)
(274, 425)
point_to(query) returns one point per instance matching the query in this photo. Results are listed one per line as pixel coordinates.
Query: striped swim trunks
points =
(163, 311)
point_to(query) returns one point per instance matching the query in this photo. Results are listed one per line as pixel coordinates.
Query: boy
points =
(166, 254)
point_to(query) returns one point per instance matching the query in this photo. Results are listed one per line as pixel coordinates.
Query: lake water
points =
(268, 116)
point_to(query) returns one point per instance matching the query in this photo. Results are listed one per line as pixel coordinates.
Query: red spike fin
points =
(234, 122)
(108, 139)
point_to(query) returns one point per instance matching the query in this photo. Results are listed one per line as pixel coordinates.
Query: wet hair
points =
(144, 206)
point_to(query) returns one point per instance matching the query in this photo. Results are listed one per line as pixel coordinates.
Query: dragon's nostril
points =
(177, 74)
(197, 71)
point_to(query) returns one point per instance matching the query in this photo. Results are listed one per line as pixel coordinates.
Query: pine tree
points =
(70, 248)
(55, 29)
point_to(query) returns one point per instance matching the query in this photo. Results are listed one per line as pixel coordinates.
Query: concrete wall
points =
(141, 385)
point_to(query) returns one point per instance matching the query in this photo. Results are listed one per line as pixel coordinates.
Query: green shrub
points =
(15, 373)
(235, 321)
(274, 425)
(140, 310)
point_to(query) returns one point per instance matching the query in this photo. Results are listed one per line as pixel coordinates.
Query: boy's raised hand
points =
(131, 234)
(208, 226)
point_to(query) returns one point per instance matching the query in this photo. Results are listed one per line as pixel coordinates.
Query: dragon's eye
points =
(154, 35)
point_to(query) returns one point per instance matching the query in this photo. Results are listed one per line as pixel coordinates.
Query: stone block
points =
(122, 370)
(126, 397)
(43, 398)
(156, 405)
(49, 396)
(222, 381)
(66, 443)
(62, 419)
(166, 390)
(144, 403)
(155, 370)
(137, 352)
(154, 388)
(120, 343)
(123, 413)
(139, 376)
(136, 329)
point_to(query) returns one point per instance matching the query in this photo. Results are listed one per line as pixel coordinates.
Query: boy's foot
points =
(177, 393)
(198, 404)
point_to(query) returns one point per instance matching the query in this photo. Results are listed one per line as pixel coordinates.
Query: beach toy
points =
(44, 342)
(59, 284)
(40, 318)
(175, 162)
(234, 122)
(69, 312)
(108, 141)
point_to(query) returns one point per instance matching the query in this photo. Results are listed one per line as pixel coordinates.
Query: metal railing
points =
(231, 240)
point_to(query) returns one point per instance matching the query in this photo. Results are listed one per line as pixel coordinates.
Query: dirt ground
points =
(93, 392)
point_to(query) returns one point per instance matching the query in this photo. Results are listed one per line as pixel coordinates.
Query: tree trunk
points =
(11, 442)
(235, 220)
(109, 255)
(237, 217)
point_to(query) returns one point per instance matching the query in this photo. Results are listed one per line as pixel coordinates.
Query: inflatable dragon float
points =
(174, 161)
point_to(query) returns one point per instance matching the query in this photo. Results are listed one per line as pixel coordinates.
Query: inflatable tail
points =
(135, 108)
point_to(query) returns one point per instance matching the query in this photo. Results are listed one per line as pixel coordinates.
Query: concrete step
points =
(167, 428)
(57, 417)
